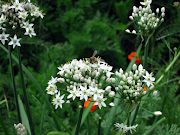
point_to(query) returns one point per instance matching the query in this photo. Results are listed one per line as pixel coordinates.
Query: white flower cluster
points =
(16, 15)
(145, 20)
(130, 85)
(83, 80)
(125, 128)
(21, 130)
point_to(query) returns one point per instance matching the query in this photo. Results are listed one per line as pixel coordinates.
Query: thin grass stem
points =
(25, 94)
(99, 126)
(88, 126)
(79, 120)
(14, 85)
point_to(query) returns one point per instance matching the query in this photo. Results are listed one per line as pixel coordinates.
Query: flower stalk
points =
(144, 65)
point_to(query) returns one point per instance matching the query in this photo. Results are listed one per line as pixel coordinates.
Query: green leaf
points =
(121, 26)
(121, 11)
(36, 84)
(154, 126)
(3, 126)
(167, 31)
(1, 102)
(57, 133)
(24, 118)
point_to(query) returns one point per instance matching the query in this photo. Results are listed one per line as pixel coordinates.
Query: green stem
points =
(13, 82)
(25, 93)
(144, 66)
(88, 126)
(167, 69)
(167, 91)
(99, 126)
(42, 119)
(3, 125)
(128, 119)
(79, 120)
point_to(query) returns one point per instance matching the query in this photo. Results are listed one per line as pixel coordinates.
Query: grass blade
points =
(3, 125)
(24, 118)
(36, 84)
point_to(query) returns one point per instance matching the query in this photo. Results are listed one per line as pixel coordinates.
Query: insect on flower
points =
(93, 59)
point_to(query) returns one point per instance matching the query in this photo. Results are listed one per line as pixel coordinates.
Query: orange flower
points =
(145, 88)
(86, 103)
(131, 55)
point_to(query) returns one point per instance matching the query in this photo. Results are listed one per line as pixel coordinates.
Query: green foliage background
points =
(74, 29)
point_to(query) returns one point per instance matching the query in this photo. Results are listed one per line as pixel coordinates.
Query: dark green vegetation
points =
(74, 29)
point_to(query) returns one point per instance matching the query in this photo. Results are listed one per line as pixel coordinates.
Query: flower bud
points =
(134, 67)
(157, 113)
(163, 9)
(111, 104)
(108, 89)
(157, 10)
(154, 93)
(163, 14)
(127, 30)
(111, 94)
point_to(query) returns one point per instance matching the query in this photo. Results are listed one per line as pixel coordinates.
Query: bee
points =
(93, 59)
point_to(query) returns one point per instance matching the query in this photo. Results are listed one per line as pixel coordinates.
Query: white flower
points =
(3, 37)
(5, 7)
(3, 18)
(17, 6)
(111, 104)
(58, 100)
(157, 113)
(30, 32)
(53, 80)
(96, 92)
(51, 89)
(125, 128)
(146, 2)
(148, 79)
(100, 101)
(23, 15)
(21, 130)
(74, 93)
(84, 93)
(26, 25)
(14, 41)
